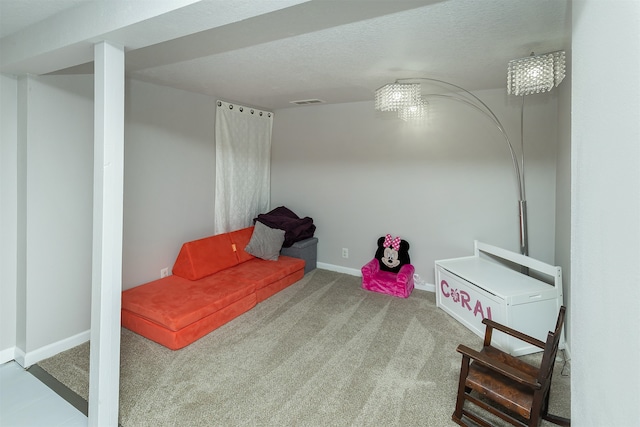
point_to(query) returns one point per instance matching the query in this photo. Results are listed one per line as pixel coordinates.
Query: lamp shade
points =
(535, 74)
(396, 96)
(415, 112)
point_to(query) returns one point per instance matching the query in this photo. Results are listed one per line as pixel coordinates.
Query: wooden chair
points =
(520, 390)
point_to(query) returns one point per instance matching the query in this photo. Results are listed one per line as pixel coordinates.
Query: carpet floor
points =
(322, 352)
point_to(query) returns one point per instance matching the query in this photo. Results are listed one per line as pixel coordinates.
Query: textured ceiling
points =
(268, 53)
(18, 14)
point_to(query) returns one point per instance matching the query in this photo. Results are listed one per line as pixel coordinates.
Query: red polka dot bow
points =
(392, 242)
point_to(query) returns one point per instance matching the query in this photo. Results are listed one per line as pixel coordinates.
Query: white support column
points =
(108, 178)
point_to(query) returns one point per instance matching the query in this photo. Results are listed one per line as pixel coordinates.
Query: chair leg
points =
(538, 407)
(555, 419)
(558, 420)
(462, 390)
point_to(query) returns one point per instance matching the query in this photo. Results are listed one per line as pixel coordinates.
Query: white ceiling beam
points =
(67, 39)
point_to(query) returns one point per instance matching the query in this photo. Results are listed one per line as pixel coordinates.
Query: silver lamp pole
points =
(525, 76)
(483, 108)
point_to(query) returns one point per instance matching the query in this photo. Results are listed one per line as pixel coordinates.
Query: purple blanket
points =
(295, 228)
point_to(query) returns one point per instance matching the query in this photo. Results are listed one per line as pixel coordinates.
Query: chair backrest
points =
(551, 350)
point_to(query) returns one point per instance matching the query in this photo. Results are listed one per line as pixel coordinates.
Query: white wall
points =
(169, 177)
(55, 170)
(46, 203)
(360, 174)
(605, 216)
(8, 214)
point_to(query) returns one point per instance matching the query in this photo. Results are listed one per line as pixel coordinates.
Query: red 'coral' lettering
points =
(478, 309)
(442, 287)
(464, 299)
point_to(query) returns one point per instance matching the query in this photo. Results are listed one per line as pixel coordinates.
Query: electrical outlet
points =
(345, 253)
(164, 272)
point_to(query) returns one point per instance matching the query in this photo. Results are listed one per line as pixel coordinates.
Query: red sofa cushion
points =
(241, 238)
(175, 302)
(175, 340)
(204, 257)
(262, 273)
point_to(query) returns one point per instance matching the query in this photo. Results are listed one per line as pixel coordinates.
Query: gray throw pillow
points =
(265, 242)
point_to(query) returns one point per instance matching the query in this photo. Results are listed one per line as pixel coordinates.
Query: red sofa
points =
(214, 280)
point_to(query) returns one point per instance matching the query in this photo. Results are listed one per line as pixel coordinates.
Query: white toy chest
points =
(483, 286)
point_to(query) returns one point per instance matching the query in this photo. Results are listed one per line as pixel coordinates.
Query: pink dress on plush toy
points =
(390, 272)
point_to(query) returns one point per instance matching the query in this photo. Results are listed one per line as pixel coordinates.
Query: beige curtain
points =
(243, 165)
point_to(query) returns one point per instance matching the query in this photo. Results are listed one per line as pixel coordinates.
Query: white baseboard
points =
(32, 357)
(422, 286)
(340, 269)
(428, 287)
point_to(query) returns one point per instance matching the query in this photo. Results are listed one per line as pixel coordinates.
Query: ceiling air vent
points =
(307, 102)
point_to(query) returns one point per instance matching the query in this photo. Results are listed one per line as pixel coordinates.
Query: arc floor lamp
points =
(525, 76)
